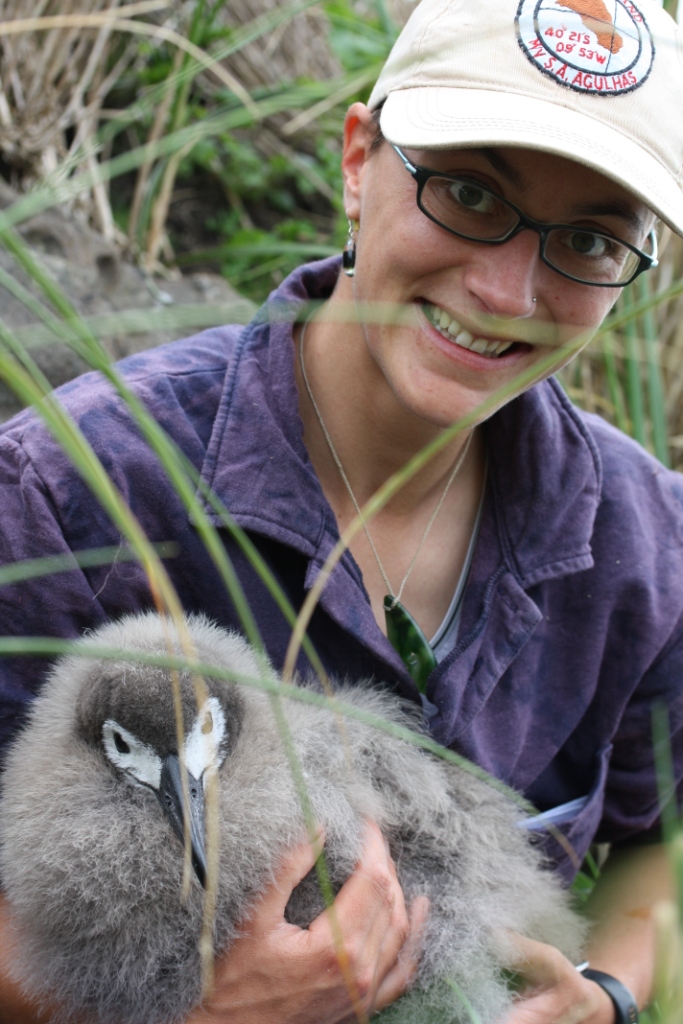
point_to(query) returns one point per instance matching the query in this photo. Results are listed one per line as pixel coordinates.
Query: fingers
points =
(371, 920)
(402, 974)
(269, 912)
(553, 990)
(371, 898)
(360, 953)
(540, 965)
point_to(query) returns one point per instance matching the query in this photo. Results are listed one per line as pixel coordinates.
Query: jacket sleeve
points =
(46, 508)
(633, 795)
(59, 605)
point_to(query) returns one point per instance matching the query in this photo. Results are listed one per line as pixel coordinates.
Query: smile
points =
(452, 331)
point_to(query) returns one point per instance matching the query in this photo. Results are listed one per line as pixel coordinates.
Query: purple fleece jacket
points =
(571, 623)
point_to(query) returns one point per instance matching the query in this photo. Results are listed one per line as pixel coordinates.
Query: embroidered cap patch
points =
(595, 46)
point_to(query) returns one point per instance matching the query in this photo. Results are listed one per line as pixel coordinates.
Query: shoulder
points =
(628, 481)
(636, 538)
(180, 385)
(574, 494)
(637, 491)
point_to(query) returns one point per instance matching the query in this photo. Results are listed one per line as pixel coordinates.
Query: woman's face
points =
(457, 301)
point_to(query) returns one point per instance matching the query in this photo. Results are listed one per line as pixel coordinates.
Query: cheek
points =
(576, 324)
(580, 308)
(396, 240)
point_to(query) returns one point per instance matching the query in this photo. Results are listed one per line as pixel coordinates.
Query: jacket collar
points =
(544, 468)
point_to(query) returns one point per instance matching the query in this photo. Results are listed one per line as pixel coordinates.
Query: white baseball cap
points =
(596, 81)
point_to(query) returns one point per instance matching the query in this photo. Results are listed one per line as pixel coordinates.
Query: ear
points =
(359, 131)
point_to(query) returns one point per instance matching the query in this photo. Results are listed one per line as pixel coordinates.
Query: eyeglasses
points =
(470, 210)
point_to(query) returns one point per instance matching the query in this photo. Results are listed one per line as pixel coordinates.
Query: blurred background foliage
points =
(224, 156)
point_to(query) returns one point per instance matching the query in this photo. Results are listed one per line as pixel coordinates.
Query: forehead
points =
(140, 698)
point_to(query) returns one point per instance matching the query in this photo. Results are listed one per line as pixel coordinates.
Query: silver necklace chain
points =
(333, 451)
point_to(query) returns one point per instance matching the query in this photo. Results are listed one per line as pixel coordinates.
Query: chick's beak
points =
(170, 796)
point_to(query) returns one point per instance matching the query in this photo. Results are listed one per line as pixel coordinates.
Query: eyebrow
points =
(611, 208)
(500, 164)
(606, 208)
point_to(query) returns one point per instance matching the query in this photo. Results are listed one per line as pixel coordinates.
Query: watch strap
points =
(624, 1003)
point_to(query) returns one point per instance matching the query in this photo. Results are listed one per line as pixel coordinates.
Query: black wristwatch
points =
(624, 1003)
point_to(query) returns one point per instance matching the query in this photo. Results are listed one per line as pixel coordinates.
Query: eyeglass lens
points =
(472, 211)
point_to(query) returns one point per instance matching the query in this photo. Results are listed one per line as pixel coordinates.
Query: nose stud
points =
(533, 298)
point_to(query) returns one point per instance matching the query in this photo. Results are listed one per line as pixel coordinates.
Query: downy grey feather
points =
(92, 870)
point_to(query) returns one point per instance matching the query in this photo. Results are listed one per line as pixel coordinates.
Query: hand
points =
(276, 973)
(553, 991)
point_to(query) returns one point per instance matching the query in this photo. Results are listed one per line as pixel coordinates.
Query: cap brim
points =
(433, 117)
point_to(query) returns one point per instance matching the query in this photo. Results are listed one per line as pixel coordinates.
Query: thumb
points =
(293, 868)
(540, 965)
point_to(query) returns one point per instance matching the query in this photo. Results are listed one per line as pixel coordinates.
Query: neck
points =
(416, 546)
(373, 434)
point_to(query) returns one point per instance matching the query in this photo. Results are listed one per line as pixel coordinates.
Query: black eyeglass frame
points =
(423, 174)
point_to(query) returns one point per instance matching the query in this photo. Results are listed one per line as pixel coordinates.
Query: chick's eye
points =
(121, 744)
(473, 198)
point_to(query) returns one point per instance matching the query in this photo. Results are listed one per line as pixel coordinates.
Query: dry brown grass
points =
(58, 66)
(54, 80)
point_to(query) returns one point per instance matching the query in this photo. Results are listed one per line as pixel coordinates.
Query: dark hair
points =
(378, 137)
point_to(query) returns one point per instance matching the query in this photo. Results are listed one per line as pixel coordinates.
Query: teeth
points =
(451, 330)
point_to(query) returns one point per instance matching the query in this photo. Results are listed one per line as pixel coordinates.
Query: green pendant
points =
(406, 637)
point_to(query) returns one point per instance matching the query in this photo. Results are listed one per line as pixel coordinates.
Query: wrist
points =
(623, 1000)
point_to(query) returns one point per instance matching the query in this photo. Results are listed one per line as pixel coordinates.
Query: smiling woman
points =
(506, 179)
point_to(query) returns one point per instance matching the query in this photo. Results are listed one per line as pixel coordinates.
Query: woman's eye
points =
(585, 243)
(472, 197)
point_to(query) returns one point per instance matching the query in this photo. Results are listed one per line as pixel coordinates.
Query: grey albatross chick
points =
(91, 862)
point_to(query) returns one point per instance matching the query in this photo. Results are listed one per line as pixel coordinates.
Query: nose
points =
(503, 278)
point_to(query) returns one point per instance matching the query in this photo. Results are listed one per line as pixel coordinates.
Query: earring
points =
(349, 253)
(534, 299)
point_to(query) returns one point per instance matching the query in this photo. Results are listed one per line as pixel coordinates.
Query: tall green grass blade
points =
(31, 390)
(666, 779)
(88, 347)
(401, 477)
(183, 316)
(613, 382)
(657, 404)
(55, 328)
(259, 564)
(634, 382)
(267, 682)
(632, 307)
(472, 1014)
(274, 248)
(67, 433)
(676, 851)
(17, 572)
(178, 468)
